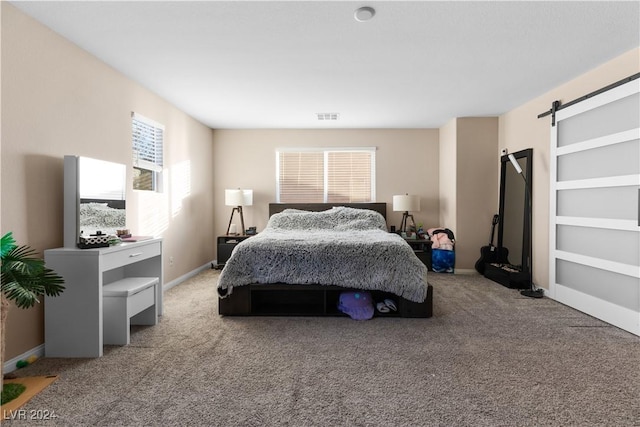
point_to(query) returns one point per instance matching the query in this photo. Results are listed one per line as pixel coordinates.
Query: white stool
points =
(130, 301)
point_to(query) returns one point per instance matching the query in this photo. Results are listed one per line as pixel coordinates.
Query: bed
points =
(310, 253)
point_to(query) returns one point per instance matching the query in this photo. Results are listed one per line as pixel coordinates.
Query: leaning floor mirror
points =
(514, 227)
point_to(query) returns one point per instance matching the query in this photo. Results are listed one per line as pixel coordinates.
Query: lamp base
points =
(538, 293)
(239, 209)
(405, 222)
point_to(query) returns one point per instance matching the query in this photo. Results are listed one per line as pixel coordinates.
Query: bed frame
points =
(279, 299)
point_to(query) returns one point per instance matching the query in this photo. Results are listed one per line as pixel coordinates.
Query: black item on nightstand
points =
(225, 247)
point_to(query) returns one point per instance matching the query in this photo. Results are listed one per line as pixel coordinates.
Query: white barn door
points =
(595, 189)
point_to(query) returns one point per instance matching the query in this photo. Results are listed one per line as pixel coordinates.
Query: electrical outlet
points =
(170, 261)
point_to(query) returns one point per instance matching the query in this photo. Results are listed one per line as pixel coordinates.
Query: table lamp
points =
(406, 203)
(237, 198)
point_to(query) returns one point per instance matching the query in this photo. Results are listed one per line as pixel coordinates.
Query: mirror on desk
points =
(94, 198)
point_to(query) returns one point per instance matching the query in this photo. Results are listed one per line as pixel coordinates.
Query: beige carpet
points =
(488, 357)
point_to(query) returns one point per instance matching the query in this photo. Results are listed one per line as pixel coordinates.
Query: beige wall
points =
(468, 183)
(477, 190)
(448, 174)
(520, 128)
(406, 162)
(56, 100)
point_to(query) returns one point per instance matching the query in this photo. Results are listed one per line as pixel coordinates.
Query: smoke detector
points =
(364, 13)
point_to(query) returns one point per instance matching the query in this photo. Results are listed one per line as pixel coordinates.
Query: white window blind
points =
(148, 140)
(349, 176)
(301, 177)
(326, 175)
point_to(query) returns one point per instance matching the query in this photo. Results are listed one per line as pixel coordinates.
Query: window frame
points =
(325, 151)
(156, 166)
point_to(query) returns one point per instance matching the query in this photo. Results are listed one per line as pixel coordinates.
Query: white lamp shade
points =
(406, 203)
(238, 197)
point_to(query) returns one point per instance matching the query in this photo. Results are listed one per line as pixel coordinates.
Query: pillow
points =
(339, 218)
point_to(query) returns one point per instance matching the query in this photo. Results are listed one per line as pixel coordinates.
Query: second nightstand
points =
(422, 249)
(225, 247)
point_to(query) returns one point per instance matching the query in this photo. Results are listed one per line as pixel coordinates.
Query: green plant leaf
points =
(7, 244)
(24, 275)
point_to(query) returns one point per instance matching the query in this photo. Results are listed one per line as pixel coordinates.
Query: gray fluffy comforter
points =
(343, 246)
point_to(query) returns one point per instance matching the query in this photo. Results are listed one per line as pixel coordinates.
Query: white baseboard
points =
(186, 276)
(10, 365)
(465, 271)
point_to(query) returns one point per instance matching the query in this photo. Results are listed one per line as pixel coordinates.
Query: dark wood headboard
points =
(318, 207)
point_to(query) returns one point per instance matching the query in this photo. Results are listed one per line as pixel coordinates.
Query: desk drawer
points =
(130, 255)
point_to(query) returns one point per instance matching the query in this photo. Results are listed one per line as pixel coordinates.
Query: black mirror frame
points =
(527, 208)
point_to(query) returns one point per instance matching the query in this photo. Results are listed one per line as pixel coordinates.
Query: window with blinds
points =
(148, 139)
(326, 175)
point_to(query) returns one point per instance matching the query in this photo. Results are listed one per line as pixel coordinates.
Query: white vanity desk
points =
(74, 319)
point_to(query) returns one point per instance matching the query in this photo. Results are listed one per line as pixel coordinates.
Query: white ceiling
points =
(239, 64)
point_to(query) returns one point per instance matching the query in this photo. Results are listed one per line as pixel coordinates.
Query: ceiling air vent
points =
(328, 116)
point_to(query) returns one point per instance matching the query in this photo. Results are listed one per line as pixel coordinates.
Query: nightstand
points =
(422, 249)
(225, 247)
